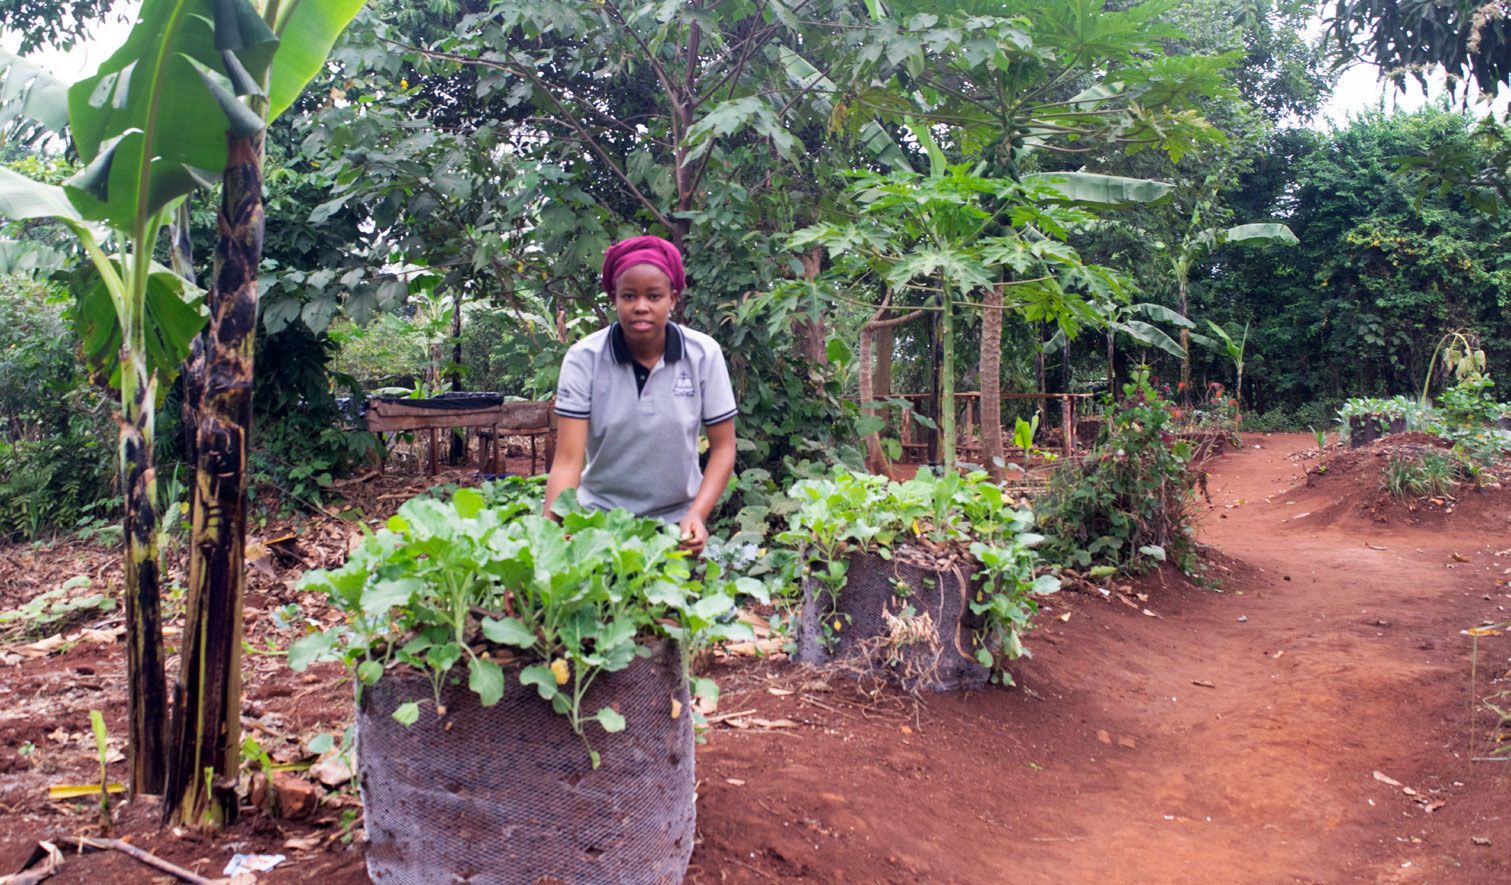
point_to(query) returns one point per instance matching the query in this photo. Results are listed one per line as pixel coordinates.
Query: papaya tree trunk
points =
(1112, 363)
(206, 722)
(146, 691)
(874, 386)
(1185, 347)
(991, 384)
(946, 379)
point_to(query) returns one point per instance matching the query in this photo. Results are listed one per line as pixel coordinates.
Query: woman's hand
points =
(571, 453)
(694, 533)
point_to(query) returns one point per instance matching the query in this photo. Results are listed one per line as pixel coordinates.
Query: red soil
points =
(1193, 736)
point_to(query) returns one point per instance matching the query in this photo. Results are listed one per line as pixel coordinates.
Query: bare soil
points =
(1170, 733)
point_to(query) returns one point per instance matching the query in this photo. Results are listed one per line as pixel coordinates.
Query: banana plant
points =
(205, 736)
(1197, 245)
(1224, 343)
(1124, 319)
(193, 80)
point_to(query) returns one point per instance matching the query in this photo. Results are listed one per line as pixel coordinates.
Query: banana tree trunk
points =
(991, 384)
(147, 697)
(206, 722)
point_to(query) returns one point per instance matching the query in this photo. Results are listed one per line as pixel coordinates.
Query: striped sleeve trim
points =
(720, 419)
(569, 413)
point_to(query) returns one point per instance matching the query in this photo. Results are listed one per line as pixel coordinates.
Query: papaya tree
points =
(926, 236)
(1018, 89)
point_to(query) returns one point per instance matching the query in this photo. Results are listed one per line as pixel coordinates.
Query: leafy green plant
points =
(849, 512)
(1386, 410)
(56, 609)
(1023, 438)
(462, 583)
(102, 753)
(1426, 474)
(1126, 503)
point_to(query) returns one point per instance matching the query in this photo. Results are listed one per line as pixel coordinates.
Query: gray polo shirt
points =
(643, 443)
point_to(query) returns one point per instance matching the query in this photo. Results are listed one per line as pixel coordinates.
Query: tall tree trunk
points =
(991, 384)
(1042, 377)
(808, 328)
(146, 689)
(207, 714)
(936, 358)
(1185, 347)
(459, 435)
(1067, 371)
(882, 384)
(871, 384)
(947, 378)
(876, 459)
(1112, 364)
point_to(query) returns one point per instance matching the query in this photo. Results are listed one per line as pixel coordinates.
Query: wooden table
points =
(526, 418)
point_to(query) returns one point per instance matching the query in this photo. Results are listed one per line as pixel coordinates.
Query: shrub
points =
(52, 483)
(37, 361)
(1429, 473)
(303, 439)
(1127, 503)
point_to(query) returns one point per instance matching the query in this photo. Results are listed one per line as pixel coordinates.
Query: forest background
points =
(438, 201)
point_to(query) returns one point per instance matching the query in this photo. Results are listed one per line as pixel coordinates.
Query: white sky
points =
(103, 39)
(1360, 89)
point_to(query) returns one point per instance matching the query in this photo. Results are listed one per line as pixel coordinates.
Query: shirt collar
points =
(621, 348)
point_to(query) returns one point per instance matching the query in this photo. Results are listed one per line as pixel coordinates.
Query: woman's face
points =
(643, 299)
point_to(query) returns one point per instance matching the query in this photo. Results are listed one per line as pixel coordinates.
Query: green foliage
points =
(305, 438)
(1382, 270)
(55, 482)
(55, 610)
(1466, 40)
(1126, 503)
(386, 351)
(37, 365)
(1429, 473)
(466, 583)
(1280, 418)
(849, 512)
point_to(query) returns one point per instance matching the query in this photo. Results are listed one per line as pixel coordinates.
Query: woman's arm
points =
(571, 455)
(721, 466)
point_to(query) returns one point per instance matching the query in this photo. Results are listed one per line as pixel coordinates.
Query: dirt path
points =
(1195, 736)
(1334, 651)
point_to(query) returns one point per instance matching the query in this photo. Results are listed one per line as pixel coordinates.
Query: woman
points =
(631, 398)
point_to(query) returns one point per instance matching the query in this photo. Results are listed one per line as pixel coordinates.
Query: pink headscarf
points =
(643, 250)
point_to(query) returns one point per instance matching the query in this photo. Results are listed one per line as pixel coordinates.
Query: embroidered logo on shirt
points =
(684, 385)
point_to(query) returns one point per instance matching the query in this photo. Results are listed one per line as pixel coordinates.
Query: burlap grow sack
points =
(899, 618)
(507, 794)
